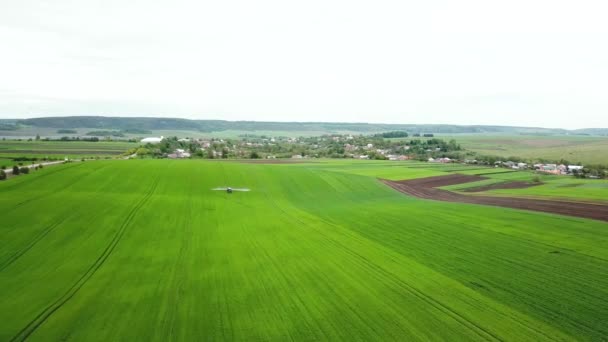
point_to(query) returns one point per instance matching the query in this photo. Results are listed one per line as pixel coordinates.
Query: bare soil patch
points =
(425, 188)
(439, 181)
(505, 185)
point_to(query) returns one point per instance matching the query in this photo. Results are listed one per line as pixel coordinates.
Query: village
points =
(384, 146)
(328, 146)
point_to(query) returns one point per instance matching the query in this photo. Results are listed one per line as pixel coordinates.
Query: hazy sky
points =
(515, 62)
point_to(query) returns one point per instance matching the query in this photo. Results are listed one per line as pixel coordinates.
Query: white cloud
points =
(534, 62)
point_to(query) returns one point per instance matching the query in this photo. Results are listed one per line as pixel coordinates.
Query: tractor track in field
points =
(31, 327)
(49, 193)
(53, 192)
(18, 254)
(417, 293)
(426, 188)
(46, 174)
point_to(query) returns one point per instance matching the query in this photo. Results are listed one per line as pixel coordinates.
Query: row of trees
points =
(394, 134)
(592, 171)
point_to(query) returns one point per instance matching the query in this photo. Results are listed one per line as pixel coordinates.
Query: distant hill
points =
(146, 123)
(591, 131)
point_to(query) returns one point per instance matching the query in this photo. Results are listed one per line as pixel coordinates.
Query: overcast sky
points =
(517, 62)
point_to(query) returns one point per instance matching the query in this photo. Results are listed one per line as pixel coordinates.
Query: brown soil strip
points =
(505, 185)
(439, 181)
(425, 188)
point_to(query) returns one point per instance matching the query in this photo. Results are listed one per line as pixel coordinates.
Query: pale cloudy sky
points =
(516, 62)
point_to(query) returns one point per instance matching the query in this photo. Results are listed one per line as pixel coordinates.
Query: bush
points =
(16, 170)
(24, 170)
(3, 167)
(2, 175)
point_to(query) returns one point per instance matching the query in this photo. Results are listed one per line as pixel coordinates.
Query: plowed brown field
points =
(426, 188)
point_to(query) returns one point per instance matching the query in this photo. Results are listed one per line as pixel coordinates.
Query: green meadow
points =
(145, 250)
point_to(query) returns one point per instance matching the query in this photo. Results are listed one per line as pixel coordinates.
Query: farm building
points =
(552, 168)
(179, 153)
(440, 160)
(152, 140)
(397, 157)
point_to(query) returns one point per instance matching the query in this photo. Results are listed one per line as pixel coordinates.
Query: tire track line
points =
(14, 185)
(472, 326)
(55, 191)
(25, 249)
(31, 327)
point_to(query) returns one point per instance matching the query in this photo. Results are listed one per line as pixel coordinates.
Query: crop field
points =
(583, 149)
(564, 187)
(59, 149)
(145, 250)
(394, 170)
(551, 186)
(573, 148)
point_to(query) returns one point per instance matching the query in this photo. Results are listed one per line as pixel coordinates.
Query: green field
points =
(144, 250)
(591, 150)
(6, 162)
(575, 149)
(62, 149)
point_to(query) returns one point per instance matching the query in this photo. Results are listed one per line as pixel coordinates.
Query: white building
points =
(152, 140)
